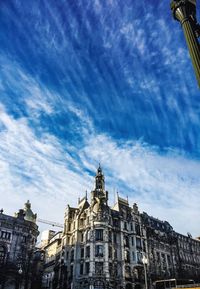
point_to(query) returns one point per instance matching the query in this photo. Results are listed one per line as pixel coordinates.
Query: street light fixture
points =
(145, 262)
(20, 271)
(184, 11)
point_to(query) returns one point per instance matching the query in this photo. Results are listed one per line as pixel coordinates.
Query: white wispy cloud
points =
(43, 170)
(52, 173)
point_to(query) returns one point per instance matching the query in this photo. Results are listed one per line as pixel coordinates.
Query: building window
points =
(87, 267)
(115, 238)
(110, 236)
(126, 241)
(5, 235)
(115, 253)
(87, 251)
(99, 268)
(127, 256)
(87, 235)
(110, 253)
(2, 254)
(132, 241)
(137, 229)
(110, 268)
(99, 235)
(81, 237)
(82, 252)
(72, 255)
(81, 269)
(99, 251)
(71, 271)
(131, 226)
(125, 226)
(139, 257)
(138, 243)
(115, 223)
(144, 246)
(133, 256)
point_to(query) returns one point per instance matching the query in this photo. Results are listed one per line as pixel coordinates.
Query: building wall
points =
(17, 243)
(103, 246)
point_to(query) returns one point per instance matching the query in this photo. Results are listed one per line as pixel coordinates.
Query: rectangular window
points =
(99, 235)
(138, 243)
(110, 236)
(133, 256)
(88, 252)
(131, 227)
(115, 238)
(126, 241)
(110, 252)
(81, 269)
(99, 268)
(99, 251)
(137, 229)
(144, 245)
(110, 268)
(139, 257)
(125, 226)
(132, 241)
(72, 255)
(127, 256)
(82, 253)
(115, 253)
(87, 267)
(71, 271)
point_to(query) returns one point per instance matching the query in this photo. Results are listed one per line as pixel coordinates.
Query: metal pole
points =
(185, 12)
(145, 275)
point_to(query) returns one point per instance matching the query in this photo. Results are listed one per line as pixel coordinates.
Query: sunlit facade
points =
(103, 246)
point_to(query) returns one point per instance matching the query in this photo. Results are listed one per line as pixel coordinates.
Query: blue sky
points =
(83, 82)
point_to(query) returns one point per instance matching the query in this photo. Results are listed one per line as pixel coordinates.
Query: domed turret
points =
(29, 215)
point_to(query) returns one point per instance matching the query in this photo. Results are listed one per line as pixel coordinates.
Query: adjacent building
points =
(18, 237)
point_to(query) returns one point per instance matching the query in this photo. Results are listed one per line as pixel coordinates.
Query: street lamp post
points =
(185, 12)
(145, 262)
(20, 272)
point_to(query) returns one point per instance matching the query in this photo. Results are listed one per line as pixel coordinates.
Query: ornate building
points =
(18, 236)
(170, 254)
(102, 247)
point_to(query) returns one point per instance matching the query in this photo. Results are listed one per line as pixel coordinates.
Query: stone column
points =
(185, 12)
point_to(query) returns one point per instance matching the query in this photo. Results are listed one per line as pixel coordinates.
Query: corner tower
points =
(99, 195)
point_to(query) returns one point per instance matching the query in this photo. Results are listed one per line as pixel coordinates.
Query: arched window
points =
(2, 254)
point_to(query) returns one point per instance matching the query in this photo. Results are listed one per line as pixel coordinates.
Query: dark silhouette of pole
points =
(185, 12)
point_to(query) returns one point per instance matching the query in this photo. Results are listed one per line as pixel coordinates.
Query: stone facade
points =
(102, 247)
(170, 254)
(18, 236)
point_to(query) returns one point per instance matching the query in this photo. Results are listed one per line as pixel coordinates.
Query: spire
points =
(99, 190)
(99, 179)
